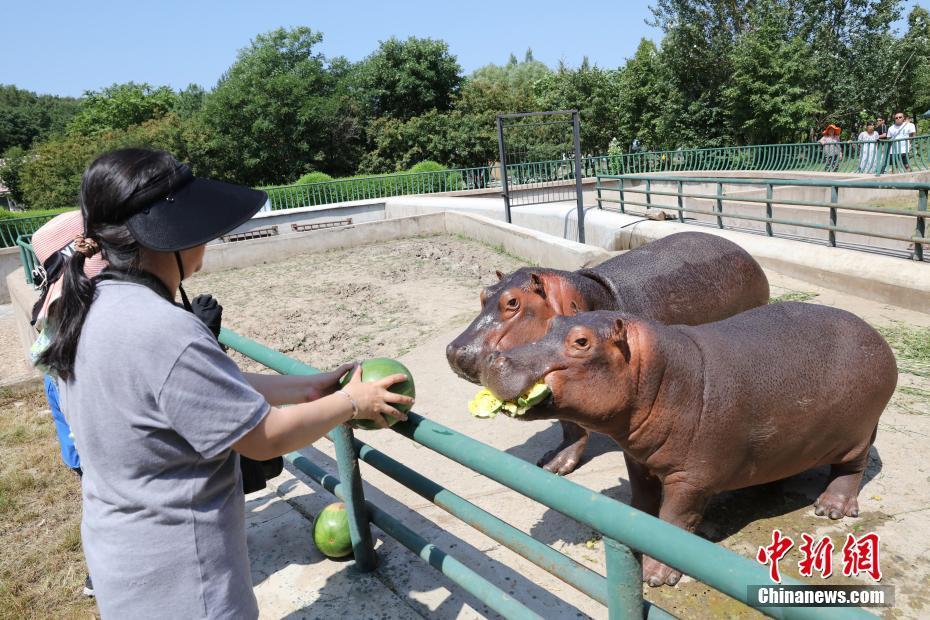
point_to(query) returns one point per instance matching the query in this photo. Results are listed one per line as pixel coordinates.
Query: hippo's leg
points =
(840, 498)
(646, 488)
(565, 459)
(683, 505)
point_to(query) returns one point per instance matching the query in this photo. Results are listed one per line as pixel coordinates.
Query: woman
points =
(868, 155)
(158, 411)
(832, 151)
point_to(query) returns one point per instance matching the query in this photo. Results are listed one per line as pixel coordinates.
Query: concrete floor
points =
(294, 581)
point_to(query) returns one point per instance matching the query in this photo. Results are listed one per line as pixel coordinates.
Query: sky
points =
(63, 47)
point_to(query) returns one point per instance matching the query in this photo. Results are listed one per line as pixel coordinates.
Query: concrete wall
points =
(891, 280)
(9, 262)
(359, 210)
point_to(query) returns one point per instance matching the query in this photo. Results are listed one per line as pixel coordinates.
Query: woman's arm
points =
(284, 430)
(294, 389)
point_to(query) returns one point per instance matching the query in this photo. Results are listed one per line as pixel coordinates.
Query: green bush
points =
(313, 177)
(427, 166)
(318, 188)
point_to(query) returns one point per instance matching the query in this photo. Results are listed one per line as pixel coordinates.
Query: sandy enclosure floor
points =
(376, 300)
(389, 298)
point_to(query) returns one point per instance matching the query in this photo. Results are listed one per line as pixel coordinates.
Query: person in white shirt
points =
(899, 134)
(868, 150)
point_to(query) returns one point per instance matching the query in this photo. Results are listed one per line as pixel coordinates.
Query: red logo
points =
(817, 557)
(775, 552)
(861, 556)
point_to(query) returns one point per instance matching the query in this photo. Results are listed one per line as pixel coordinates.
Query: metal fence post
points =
(648, 194)
(622, 204)
(354, 499)
(884, 145)
(579, 195)
(768, 209)
(834, 197)
(681, 202)
(504, 189)
(719, 204)
(624, 581)
(921, 224)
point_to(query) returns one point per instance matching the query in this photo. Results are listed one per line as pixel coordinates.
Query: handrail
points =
(916, 238)
(851, 157)
(27, 256)
(620, 524)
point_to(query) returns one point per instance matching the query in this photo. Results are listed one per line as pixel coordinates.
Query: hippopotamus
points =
(686, 278)
(698, 410)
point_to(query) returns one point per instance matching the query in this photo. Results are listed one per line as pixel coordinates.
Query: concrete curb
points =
(886, 279)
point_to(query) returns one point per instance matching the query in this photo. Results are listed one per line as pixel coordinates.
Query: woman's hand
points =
(374, 400)
(325, 383)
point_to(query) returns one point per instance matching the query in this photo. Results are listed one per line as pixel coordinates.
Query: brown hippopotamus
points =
(686, 278)
(698, 410)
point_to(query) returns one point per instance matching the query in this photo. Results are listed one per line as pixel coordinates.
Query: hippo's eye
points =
(581, 343)
(513, 303)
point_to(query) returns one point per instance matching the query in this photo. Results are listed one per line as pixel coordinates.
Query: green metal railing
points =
(26, 256)
(643, 187)
(625, 529)
(883, 157)
(877, 158)
(12, 228)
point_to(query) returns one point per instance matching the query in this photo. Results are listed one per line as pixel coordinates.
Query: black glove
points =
(208, 310)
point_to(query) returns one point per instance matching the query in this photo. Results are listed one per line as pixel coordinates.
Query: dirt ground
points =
(376, 300)
(402, 292)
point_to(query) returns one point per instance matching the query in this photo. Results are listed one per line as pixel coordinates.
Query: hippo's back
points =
(804, 353)
(687, 278)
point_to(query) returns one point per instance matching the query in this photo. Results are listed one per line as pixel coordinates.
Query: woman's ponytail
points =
(66, 317)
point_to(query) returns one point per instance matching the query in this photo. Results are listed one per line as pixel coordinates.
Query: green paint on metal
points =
(611, 183)
(699, 558)
(472, 582)
(544, 556)
(624, 581)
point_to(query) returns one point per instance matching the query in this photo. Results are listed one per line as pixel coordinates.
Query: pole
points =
(503, 162)
(579, 194)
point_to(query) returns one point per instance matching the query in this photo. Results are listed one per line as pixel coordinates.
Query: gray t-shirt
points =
(154, 406)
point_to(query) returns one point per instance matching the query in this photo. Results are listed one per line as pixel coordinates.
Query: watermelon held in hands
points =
(331, 531)
(378, 368)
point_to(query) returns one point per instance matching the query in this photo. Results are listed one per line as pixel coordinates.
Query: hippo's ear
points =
(500, 274)
(573, 306)
(537, 286)
(618, 335)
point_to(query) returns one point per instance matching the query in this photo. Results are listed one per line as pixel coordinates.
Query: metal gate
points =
(540, 160)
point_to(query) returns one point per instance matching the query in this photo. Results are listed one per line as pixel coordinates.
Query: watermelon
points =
(331, 531)
(378, 368)
(486, 405)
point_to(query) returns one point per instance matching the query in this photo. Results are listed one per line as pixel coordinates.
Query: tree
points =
(453, 139)
(771, 96)
(404, 79)
(280, 111)
(594, 92)
(121, 106)
(11, 165)
(499, 89)
(26, 117)
(910, 83)
(649, 107)
(50, 174)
